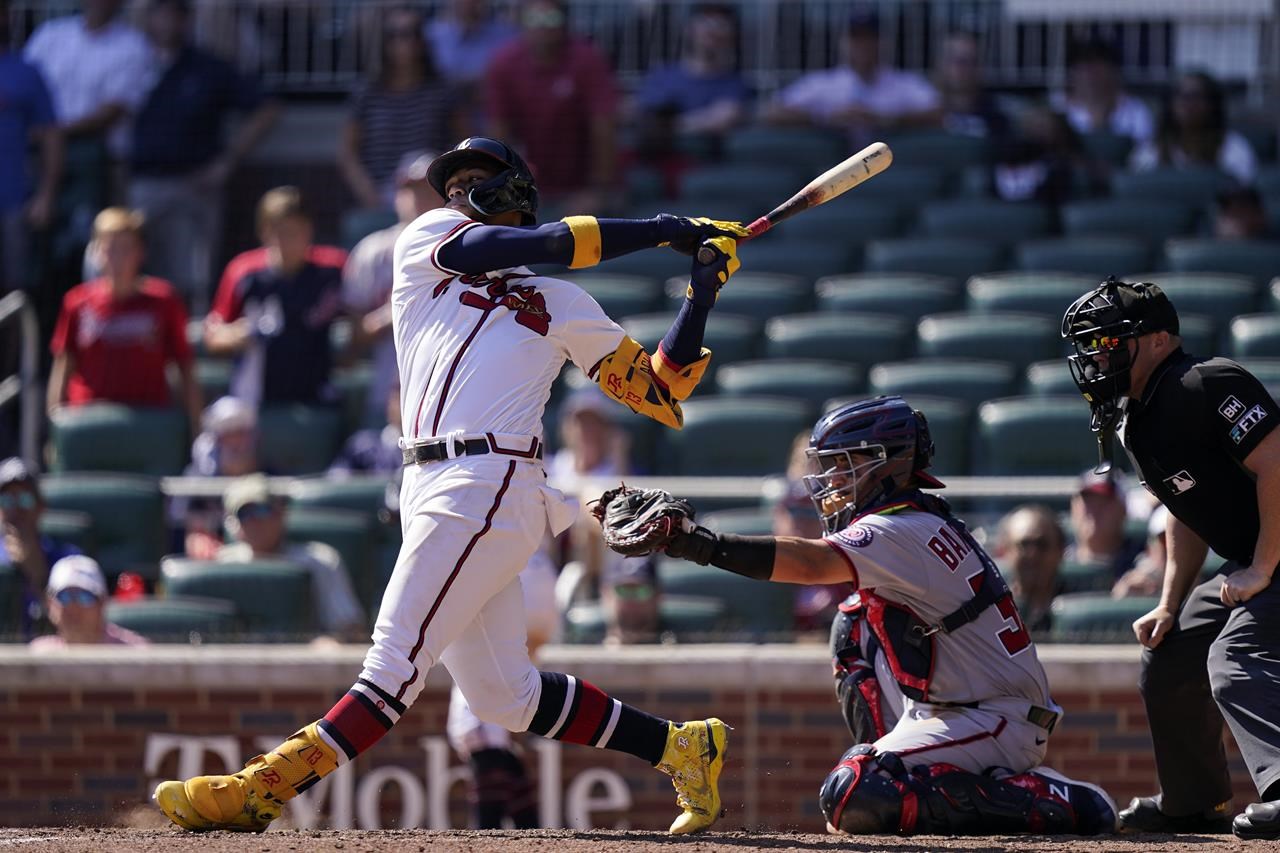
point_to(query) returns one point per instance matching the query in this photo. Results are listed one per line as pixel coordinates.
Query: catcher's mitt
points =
(637, 522)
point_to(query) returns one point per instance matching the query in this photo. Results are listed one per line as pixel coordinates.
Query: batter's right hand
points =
(708, 276)
(685, 234)
(1153, 627)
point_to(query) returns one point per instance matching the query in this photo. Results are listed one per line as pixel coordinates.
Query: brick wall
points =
(86, 733)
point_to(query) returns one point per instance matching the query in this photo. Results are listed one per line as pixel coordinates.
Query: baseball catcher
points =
(935, 674)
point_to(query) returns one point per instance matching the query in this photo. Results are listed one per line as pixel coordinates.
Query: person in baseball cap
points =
(77, 595)
(23, 546)
(1098, 517)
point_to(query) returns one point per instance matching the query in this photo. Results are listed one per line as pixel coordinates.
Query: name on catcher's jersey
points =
(479, 352)
(915, 559)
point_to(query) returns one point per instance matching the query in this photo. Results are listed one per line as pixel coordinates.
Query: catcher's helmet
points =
(513, 188)
(865, 453)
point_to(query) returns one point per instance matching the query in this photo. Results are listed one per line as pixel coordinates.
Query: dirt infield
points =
(62, 840)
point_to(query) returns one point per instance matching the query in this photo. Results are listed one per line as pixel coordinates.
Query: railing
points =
(327, 46)
(24, 386)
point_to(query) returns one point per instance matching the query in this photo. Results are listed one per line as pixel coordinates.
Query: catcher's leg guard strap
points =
(857, 688)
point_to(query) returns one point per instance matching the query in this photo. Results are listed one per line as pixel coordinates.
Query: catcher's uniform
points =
(976, 697)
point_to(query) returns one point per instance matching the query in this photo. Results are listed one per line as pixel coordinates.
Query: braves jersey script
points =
(917, 560)
(479, 352)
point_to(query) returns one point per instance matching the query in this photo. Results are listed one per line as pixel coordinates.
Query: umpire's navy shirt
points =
(179, 128)
(1188, 437)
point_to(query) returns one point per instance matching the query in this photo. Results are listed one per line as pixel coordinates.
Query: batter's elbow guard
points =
(626, 376)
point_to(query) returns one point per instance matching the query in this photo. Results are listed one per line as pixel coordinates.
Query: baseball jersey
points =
(915, 559)
(479, 353)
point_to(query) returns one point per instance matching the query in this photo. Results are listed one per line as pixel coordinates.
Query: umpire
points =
(1201, 434)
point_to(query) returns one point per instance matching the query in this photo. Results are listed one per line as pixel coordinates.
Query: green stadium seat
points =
(1267, 182)
(970, 380)
(747, 185)
(855, 338)
(620, 295)
(760, 295)
(10, 603)
(127, 512)
(733, 436)
(985, 219)
(730, 337)
(213, 375)
(814, 149)
(1087, 577)
(75, 528)
(851, 221)
(349, 532)
(950, 427)
(112, 437)
(1199, 334)
(905, 185)
(360, 223)
(295, 439)
(752, 608)
(1018, 339)
(1096, 617)
(1255, 335)
(743, 522)
(1216, 296)
(352, 382)
(1050, 294)
(1093, 256)
(1145, 219)
(902, 295)
(1034, 436)
(180, 619)
(1194, 187)
(656, 264)
(942, 256)
(272, 598)
(365, 494)
(690, 618)
(809, 260)
(1049, 378)
(810, 380)
(1258, 259)
(938, 149)
(1111, 148)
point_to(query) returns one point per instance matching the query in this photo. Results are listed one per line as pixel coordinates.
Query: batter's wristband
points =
(587, 242)
(749, 556)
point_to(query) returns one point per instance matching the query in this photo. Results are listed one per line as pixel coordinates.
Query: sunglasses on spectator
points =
(255, 510)
(22, 500)
(78, 597)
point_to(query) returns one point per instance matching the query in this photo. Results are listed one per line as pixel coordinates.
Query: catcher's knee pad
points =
(857, 689)
(860, 796)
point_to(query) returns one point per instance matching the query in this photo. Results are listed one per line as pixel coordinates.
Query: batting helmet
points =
(863, 454)
(512, 188)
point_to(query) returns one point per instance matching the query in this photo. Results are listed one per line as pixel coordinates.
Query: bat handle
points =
(706, 255)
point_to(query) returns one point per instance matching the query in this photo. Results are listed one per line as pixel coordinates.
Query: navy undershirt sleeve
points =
(683, 341)
(497, 247)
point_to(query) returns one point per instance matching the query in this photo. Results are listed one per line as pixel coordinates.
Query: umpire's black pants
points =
(1216, 662)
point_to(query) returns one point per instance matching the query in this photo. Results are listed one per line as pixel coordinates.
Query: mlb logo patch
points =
(1180, 482)
(1231, 409)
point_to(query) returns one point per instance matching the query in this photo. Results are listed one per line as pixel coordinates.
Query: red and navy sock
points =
(359, 720)
(576, 711)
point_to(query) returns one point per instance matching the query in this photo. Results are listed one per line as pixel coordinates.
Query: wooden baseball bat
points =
(837, 180)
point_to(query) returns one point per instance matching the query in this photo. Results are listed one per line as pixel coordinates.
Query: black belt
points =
(436, 451)
(1037, 716)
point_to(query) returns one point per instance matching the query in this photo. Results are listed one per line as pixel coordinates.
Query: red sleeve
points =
(327, 256)
(64, 333)
(228, 302)
(177, 347)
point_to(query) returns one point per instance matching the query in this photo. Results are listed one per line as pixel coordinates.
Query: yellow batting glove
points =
(710, 274)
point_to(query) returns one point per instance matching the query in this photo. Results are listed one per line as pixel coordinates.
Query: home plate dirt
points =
(106, 840)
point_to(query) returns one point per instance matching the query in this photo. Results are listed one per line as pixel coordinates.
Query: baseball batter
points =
(479, 340)
(936, 675)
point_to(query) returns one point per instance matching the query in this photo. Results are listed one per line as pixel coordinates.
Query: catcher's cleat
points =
(249, 800)
(693, 759)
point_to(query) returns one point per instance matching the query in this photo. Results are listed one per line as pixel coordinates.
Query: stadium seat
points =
(620, 295)
(760, 295)
(1096, 617)
(733, 436)
(213, 375)
(1086, 577)
(656, 264)
(970, 380)
(1018, 339)
(352, 382)
(10, 604)
(1255, 335)
(365, 494)
(950, 427)
(953, 258)
(1199, 334)
(985, 219)
(127, 511)
(939, 149)
(1145, 219)
(753, 188)
(902, 295)
(1050, 294)
(295, 439)
(124, 439)
(349, 532)
(743, 522)
(762, 146)
(905, 185)
(360, 223)
(1258, 259)
(1267, 182)
(1111, 148)
(691, 618)
(810, 380)
(752, 608)
(179, 619)
(272, 598)
(730, 337)
(1193, 187)
(1093, 256)
(75, 528)
(1216, 296)
(853, 221)
(809, 260)
(1049, 378)
(855, 338)
(1033, 436)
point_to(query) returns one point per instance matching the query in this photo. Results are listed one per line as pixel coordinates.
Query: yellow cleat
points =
(693, 759)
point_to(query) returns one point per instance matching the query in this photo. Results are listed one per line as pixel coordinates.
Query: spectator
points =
(227, 446)
(968, 107)
(1193, 132)
(794, 515)
(631, 598)
(592, 443)
(26, 111)
(1147, 575)
(1029, 544)
(861, 95)
(1095, 100)
(275, 307)
(117, 334)
(256, 521)
(555, 95)
(408, 107)
(465, 38)
(179, 164)
(366, 278)
(1238, 214)
(96, 67)
(1098, 515)
(23, 546)
(1045, 162)
(375, 450)
(77, 608)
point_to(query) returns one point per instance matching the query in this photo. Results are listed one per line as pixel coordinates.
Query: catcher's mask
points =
(863, 454)
(513, 188)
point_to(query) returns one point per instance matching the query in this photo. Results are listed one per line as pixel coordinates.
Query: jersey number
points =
(1014, 638)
